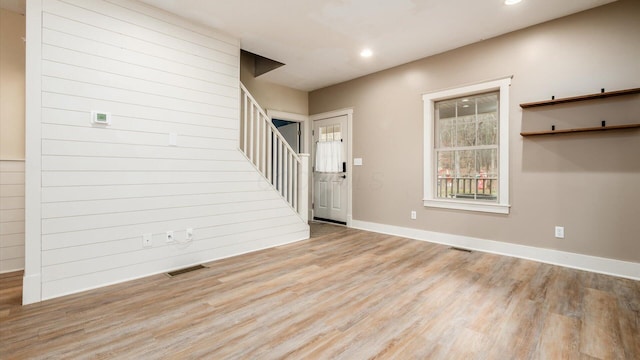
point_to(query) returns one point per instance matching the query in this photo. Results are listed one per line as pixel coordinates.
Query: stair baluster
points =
(272, 156)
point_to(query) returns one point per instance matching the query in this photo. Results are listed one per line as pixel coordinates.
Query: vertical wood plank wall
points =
(11, 215)
(103, 187)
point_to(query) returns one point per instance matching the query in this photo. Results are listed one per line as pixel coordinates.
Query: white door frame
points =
(304, 147)
(299, 118)
(331, 114)
(32, 279)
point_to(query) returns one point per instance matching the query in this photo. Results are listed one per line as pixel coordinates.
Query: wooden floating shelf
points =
(581, 98)
(572, 131)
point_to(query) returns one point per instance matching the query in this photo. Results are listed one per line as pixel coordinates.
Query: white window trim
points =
(502, 206)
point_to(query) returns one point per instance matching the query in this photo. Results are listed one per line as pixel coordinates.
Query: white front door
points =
(330, 186)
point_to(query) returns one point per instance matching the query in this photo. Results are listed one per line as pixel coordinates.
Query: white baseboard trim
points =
(306, 235)
(31, 289)
(624, 269)
(6, 271)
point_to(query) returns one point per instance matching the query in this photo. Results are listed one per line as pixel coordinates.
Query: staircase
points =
(272, 156)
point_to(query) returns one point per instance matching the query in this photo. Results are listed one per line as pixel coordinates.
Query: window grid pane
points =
(329, 133)
(466, 147)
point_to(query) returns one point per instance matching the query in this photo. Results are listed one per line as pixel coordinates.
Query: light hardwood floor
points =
(344, 294)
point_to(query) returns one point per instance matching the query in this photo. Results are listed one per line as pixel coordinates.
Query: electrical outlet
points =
(189, 234)
(170, 237)
(413, 215)
(560, 232)
(147, 240)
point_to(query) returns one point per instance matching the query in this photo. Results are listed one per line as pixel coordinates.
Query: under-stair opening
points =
(261, 64)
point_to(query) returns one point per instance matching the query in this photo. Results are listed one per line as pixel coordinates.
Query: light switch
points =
(357, 161)
(173, 139)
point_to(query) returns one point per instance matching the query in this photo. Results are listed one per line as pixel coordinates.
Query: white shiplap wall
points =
(11, 215)
(103, 187)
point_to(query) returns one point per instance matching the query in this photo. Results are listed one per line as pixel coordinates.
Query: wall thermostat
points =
(100, 118)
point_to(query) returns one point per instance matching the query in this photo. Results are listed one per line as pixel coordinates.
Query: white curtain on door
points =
(328, 156)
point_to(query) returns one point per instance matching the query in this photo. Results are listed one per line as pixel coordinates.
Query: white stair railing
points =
(272, 156)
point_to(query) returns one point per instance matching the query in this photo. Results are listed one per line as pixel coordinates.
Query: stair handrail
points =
(272, 127)
(288, 171)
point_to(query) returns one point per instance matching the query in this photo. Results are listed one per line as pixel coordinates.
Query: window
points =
(329, 133)
(467, 148)
(328, 155)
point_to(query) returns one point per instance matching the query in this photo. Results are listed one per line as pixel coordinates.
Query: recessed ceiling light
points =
(511, 2)
(365, 53)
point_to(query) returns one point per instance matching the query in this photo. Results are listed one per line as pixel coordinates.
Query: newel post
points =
(303, 187)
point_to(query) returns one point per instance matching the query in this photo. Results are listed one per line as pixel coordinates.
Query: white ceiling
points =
(320, 40)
